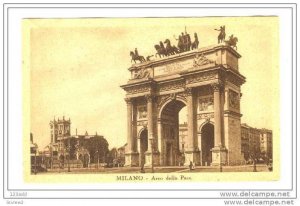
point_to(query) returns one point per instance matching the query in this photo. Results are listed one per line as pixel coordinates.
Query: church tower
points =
(59, 130)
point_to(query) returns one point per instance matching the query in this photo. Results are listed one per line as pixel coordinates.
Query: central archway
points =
(170, 143)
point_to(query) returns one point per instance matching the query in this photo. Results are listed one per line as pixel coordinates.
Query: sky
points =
(78, 65)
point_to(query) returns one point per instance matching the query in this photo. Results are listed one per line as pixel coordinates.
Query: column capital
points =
(217, 86)
(128, 100)
(188, 91)
(149, 97)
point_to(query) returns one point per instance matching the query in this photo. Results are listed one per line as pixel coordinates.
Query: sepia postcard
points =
(187, 102)
(151, 99)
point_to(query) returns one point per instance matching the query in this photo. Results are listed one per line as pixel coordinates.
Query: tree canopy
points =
(97, 147)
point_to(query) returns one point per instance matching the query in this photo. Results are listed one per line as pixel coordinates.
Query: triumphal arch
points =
(207, 81)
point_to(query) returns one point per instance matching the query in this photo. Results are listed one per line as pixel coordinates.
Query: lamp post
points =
(58, 157)
(97, 152)
(64, 155)
(221, 168)
(182, 149)
(51, 159)
(254, 165)
(69, 149)
(254, 158)
(35, 160)
(152, 143)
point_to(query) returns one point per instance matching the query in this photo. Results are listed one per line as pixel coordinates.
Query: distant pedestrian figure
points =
(270, 167)
(191, 165)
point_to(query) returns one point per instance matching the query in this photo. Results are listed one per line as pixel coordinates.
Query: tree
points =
(112, 156)
(97, 147)
(70, 144)
(114, 153)
(254, 156)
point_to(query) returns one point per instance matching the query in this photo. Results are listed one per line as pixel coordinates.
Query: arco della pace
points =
(207, 81)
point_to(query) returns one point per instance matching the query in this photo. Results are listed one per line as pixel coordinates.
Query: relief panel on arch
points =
(234, 100)
(142, 112)
(206, 104)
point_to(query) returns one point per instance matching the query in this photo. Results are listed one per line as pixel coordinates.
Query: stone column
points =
(217, 116)
(129, 125)
(159, 141)
(131, 156)
(151, 156)
(134, 128)
(219, 153)
(191, 154)
(199, 136)
(150, 121)
(190, 120)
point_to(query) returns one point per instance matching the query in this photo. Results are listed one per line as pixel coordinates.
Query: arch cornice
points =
(207, 121)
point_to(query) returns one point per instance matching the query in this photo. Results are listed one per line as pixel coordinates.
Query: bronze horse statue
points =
(161, 52)
(170, 50)
(184, 42)
(232, 42)
(136, 58)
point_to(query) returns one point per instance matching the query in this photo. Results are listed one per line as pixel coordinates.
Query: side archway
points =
(207, 142)
(143, 144)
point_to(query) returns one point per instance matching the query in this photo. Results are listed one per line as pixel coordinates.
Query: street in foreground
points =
(245, 168)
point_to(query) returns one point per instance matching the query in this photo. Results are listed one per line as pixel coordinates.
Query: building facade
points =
(256, 143)
(182, 136)
(245, 130)
(207, 82)
(60, 130)
(35, 156)
(266, 143)
(62, 143)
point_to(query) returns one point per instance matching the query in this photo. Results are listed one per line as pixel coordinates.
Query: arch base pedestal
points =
(151, 158)
(219, 156)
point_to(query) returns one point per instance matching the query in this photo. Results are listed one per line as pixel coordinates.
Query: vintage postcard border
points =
(7, 105)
